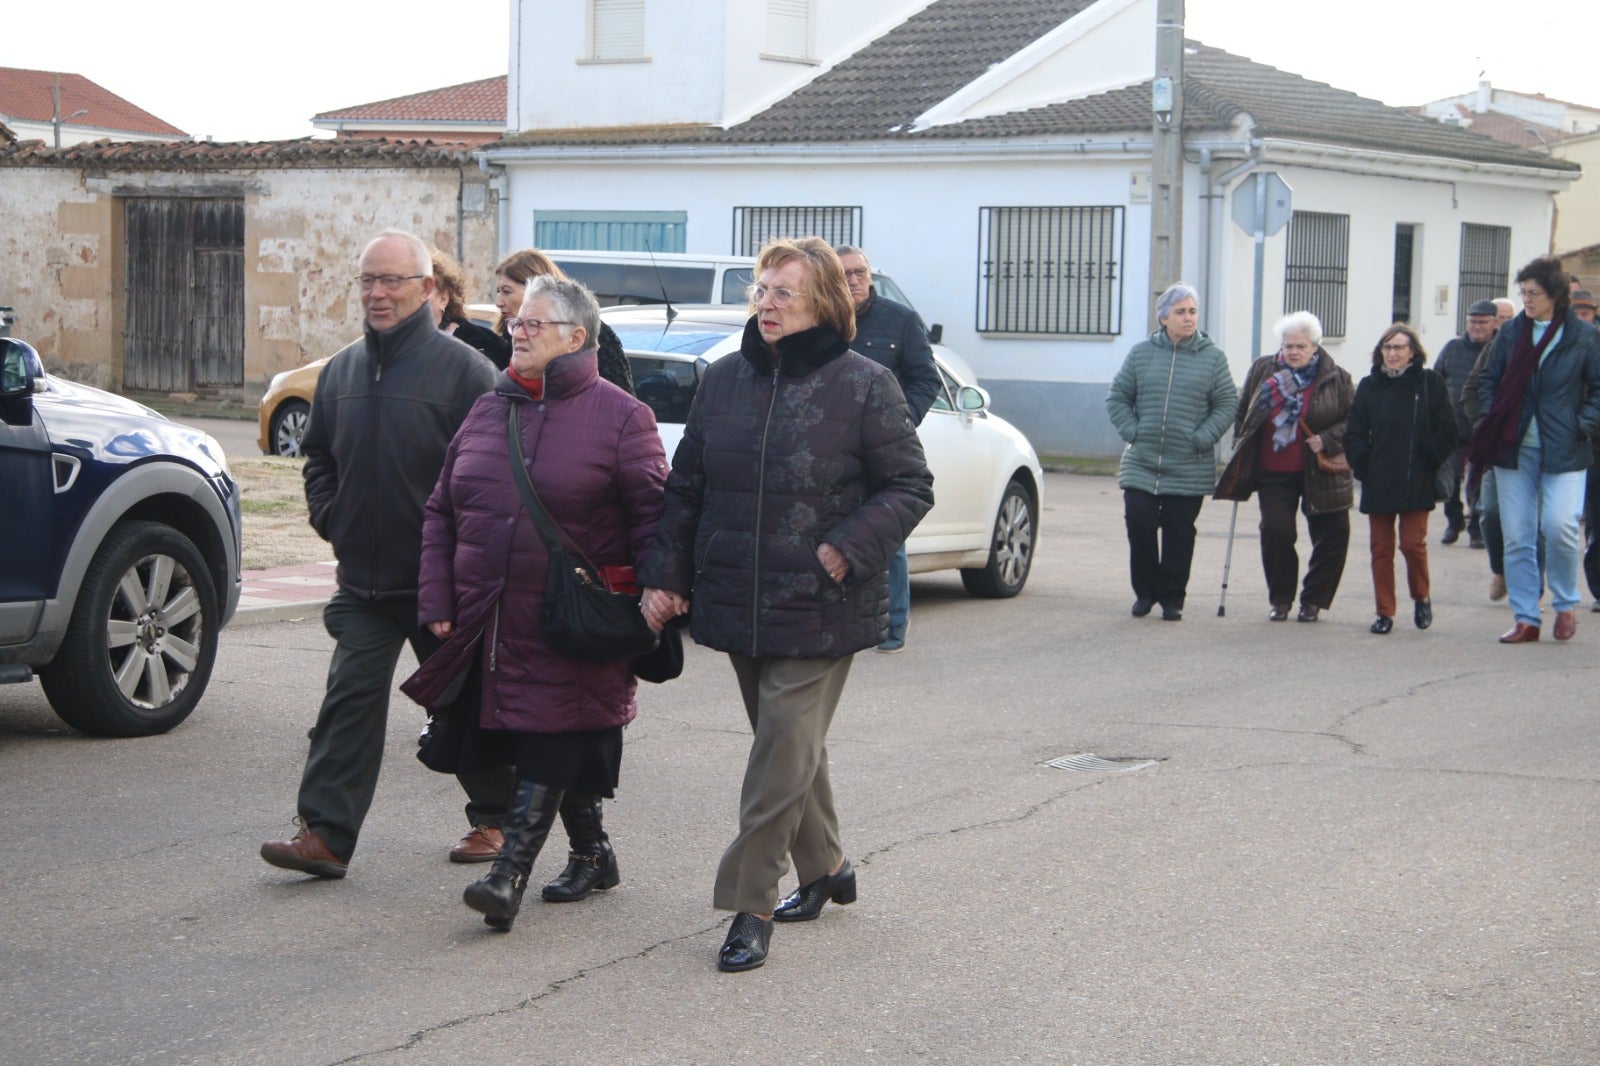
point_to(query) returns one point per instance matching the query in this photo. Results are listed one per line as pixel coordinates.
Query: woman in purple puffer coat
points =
(596, 462)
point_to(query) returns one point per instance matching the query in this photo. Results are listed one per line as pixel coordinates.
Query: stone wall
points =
(62, 253)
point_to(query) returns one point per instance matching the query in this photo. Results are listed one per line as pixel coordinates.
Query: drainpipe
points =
(1216, 222)
(497, 182)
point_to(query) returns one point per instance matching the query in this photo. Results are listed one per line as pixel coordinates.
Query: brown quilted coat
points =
(1326, 415)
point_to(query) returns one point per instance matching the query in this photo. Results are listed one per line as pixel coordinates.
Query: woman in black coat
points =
(1401, 430)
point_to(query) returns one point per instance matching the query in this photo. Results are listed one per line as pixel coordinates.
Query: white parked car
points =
(987, 481)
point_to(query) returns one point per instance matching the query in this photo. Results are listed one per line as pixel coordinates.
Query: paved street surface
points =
(1347, 849)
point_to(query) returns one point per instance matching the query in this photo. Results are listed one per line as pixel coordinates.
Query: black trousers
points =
(1160, 544)
(341, 772)
(1280, 496)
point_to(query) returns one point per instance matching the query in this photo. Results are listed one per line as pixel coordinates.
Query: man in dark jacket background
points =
(892, 334)
(1454, 363)
(385, 410)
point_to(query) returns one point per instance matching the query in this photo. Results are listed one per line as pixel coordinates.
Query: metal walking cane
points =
(1227, 557)
(1227, 563)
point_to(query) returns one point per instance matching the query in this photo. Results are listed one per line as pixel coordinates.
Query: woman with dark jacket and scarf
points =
(1171, 401)
(1541, 388)
(798, 477)
(1401, 430)
(1292, 409)
(595, 459)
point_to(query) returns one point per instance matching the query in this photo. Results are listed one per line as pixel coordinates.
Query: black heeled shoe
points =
(1382, 625)
(805, 903)
(747, 943)
(1142, 605)
(1422, 614)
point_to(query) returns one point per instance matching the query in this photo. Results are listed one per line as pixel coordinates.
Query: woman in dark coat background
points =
(450, 311)
(596, 462)
(799, 475)
(1293, 406)
(1401, 430)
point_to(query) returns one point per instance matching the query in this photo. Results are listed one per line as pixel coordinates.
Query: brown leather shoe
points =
(482, 844)
(1566, 625)
(306, 853)
(1521, 633)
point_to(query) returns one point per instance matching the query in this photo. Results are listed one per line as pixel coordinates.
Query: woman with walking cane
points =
(1288, 437)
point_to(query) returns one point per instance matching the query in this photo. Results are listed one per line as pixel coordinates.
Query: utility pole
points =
(1166, 168)
(55, 111)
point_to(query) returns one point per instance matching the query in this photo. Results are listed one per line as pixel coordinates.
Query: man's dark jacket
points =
(1454, 363)
(779, 455)
(383, 415)
(892, 334)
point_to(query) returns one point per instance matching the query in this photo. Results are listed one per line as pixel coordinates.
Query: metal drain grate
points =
(1092, 763)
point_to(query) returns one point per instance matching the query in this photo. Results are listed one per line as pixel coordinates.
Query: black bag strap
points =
(552, 534)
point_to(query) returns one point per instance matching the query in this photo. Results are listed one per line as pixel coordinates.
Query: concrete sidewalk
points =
(284, 593)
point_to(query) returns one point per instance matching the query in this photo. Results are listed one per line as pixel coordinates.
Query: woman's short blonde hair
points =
(825, 284)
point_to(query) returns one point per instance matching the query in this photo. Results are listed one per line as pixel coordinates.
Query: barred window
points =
(754, 226)
(1485, 267)
(1316, 275)
(616, 29)
(1050, 270)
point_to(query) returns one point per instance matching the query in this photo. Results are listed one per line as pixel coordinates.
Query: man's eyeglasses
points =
(780, 297)
(532, 326)
(386, 282)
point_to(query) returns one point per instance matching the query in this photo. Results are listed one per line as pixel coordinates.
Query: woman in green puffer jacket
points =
(1172, 401)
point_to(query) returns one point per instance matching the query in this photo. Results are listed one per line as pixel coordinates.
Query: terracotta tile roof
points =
(1508, 129)
(473, 101)
(26, 94)
(878, 93)
(305, 153)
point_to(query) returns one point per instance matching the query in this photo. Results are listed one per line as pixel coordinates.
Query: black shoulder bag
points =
(582, 618)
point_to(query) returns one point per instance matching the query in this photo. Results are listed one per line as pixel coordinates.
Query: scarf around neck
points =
(1495, 439)
(1282, 395)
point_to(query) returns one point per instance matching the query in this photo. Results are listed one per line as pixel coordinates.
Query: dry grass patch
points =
(272, 498)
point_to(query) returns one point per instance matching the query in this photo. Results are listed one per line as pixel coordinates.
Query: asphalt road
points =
(1347, 849)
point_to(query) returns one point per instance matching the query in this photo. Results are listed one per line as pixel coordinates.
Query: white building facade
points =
(1012, 202)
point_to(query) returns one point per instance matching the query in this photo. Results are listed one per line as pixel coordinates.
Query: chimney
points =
(1480, 105)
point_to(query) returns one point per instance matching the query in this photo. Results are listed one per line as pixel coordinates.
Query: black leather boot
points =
(591, 863)
(498, 894)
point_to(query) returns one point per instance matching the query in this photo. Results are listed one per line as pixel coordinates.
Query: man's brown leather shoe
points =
(1521, 633)
(1566, 625)
(482, 844)
(306, 853)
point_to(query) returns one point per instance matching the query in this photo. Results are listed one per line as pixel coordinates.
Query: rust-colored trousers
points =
(1413, 545)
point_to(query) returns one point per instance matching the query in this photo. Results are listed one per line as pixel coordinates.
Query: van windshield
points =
(640, 283)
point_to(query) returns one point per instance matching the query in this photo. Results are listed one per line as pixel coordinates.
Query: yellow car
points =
(286, 405)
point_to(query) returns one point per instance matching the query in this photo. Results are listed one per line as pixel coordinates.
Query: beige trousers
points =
(786, 805)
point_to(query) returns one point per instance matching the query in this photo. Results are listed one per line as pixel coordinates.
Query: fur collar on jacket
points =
(798, 353)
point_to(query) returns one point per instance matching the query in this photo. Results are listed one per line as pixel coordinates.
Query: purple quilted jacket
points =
(597, 463)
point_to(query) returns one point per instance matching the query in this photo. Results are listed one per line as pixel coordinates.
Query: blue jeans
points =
(899, 594)
(1533, 502)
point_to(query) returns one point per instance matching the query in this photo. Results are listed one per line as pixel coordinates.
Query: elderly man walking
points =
(892, 334)
(385, 410)
(1454, 363)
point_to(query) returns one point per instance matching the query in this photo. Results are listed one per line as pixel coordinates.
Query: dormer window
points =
(616, 31)
(788, 31)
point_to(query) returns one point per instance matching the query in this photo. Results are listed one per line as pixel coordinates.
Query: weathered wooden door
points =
(184, 321)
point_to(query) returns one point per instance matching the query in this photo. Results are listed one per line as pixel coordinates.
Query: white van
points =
(679, 278)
